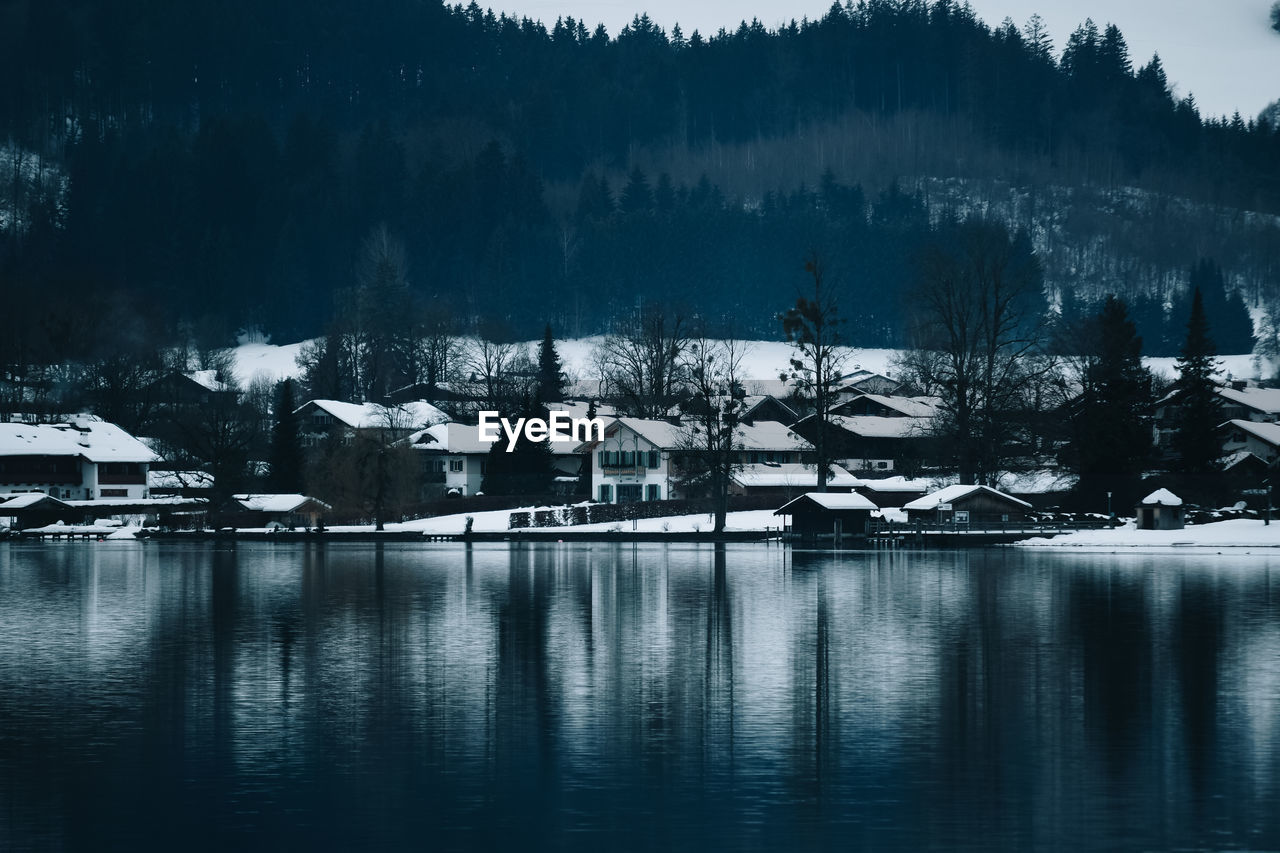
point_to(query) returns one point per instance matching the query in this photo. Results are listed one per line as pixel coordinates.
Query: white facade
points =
(454, 458)
(84, 459)
(639, 459)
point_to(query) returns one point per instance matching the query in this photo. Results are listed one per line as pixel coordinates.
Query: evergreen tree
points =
(526, 470)
(1198, 407)
(286, 449)
(1111, 441)
(550, 374)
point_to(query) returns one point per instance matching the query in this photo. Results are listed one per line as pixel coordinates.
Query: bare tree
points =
(978, 329)
(813, 328)
(712, 440)
(641, 361)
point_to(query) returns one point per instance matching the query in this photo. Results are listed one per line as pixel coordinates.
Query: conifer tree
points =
(286, 449)
(1199, 409)
(550, 374)
(1112, 439)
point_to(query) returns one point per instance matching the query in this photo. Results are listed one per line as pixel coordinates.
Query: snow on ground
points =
(1238, 533)
(763, 361)
(274, 362)
(495, 521)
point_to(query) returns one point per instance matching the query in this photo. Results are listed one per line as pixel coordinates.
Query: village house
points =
(83, 459)
(1160, 510)
(893, 491)
(178, 389)
(319, 420)
(867, 382)
(876, 434)
(639, 460)
(965, 504)
(286, 510)
(1248, 436)
(454, 458)
(1241, 401)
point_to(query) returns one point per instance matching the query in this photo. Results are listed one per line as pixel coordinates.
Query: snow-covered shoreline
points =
(1236, 536)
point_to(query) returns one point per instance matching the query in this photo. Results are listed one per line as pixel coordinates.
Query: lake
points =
(634, 697)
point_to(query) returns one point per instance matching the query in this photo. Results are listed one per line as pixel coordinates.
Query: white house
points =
(639, 459)
(318, 419)
(454, 457)
(1260, 439)
(84, 459)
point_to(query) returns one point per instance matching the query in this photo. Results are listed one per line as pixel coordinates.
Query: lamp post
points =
(1111, 519)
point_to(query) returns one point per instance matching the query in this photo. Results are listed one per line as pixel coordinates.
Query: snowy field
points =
(1237, 536)
(763, 360)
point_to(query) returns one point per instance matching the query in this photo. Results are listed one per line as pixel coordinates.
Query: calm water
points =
(609, 697)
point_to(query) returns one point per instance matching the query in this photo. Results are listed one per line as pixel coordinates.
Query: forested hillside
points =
(211, 170)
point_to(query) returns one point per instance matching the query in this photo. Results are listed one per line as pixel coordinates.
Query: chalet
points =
(866, 382)
(967, 504)
(454, 458)
(1160, 510)
(639, 460)
(84, 459)
(866, 444)
(288, 510)
(787, 479)
(828, 514)
(1241, 401)
(1260, 439)
(318, 420)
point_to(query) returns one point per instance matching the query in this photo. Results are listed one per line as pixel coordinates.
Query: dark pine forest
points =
(175, 169)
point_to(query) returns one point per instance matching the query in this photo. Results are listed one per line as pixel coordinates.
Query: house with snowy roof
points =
(1241, 401)
(1160, 510)
(967, 504)
(290, 510)
(787, 479)
(1247, 436)
(872, 444)
(641, 460)
(82, 459)
(322, 420)
(454, 457)
(828, 514)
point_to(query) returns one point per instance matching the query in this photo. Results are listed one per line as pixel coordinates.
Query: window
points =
(629, 493)
(606, 493)
(455, 465)
(655, 459)
(653, 492)
(115, 493)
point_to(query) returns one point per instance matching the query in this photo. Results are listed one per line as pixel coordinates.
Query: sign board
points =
(962, 516)
(944, 507)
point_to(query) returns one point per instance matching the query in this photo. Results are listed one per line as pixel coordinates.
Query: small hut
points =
(966, 504)
(828, 513)
(1160, 510)
(287, 510)
(36, 509)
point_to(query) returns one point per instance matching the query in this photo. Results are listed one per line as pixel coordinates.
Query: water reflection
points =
(634, 697)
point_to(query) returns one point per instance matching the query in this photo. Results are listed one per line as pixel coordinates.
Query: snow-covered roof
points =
(758, 436)
(951, 494)
(1266, 400)
(898, 484)
(1267, 432)
(413, 415)
(829, 500)
(179, 479)
(911, 407)
(465, 439)
(874, 426)
(275, 503)
(94, 440)
(22, 500)
(1240, 456)
(1162, 497)
(790, 474)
